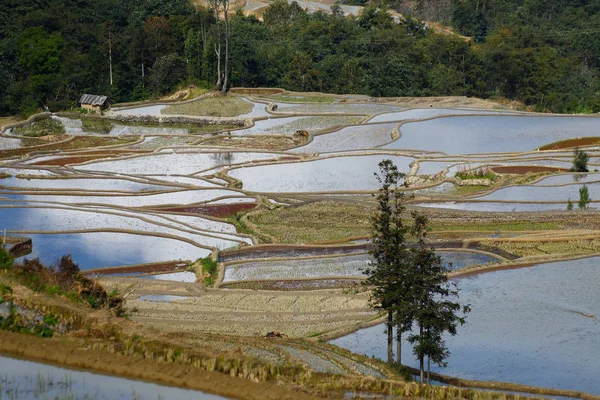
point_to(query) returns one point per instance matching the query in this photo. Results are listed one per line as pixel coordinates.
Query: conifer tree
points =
(388, 274)
(434, 310)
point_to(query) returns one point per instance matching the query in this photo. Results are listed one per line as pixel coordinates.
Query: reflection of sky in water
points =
(567, 178)
(349, 138)
(423, 113)
(21, 379)
(82, 184)
(175, 198)
(171, 162)
(333, 174)
(147, 110)
(541, 193)
(483, 134)
(97, 250)
(496, 207)
(525, 326)
(332, 266)
(56, 219)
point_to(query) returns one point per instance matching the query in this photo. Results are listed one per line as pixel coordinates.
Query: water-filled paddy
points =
(147, 110)
(326, 175)
(185, 276)
(564, 179)
(534, 326)
(487, 134)
(289, 125)
(541, 193)
(20, 379)
(65, 219)
(173, 163)
(490, 206)
(99, 250)
(9, 143)
(345, 266)
(350, 138)
(91, 184)
(139, 200)
(424, 113)
(336, 108)
(77, 127)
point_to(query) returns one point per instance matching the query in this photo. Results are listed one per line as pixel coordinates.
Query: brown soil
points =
(524, 169)
(217, 210)
(172, 266)
(571, 143)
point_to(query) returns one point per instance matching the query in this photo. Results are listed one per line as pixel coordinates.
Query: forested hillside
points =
(545, 53)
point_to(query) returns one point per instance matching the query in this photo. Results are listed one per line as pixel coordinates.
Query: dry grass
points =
(314, 222)
(228, 106)
(9, 120)
(544, 248)
(303, 99)
(497, 227)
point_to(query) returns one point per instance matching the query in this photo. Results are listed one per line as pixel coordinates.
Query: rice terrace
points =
(215, 240)
(285, 199)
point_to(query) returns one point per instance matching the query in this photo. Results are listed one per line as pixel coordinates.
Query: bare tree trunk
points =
(218, 46)
(390, 334)
(421, 358)
(428, 369)
(399, 347)
(226, 72)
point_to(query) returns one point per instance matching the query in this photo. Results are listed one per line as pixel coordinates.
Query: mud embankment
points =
(71, 355)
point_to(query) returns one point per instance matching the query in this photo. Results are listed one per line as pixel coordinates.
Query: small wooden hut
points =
(94, 102)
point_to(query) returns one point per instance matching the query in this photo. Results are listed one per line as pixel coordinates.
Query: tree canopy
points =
(543, 53)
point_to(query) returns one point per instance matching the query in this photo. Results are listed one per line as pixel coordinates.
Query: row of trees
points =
(51, 51)
(410, 283)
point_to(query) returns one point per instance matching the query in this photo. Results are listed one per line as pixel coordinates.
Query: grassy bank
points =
(314, 222)
(42, 127)
(227, 106)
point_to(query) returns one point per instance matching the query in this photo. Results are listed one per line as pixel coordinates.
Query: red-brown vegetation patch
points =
(572, 143)
(524, 169)
(216, 210)
(170, 266)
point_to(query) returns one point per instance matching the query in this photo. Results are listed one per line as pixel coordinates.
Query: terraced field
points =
(280, 196)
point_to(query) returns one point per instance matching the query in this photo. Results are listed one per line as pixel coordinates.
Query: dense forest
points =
(544, 53)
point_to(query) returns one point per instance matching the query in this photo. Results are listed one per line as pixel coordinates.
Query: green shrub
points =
(479, 173)
(584, 197)
(42, 127)
(580, 161)
(209, 271)
(6, 260)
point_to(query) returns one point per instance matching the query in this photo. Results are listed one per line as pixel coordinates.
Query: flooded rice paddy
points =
(349, 138)
(426, 114)
(89, 250)
(492, 134)
(151, 200)
(327, 175)
(536, 326)
(24, 380)
(343, 266)
(289, 125)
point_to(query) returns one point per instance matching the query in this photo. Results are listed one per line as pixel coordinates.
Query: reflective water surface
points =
(536, 326)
